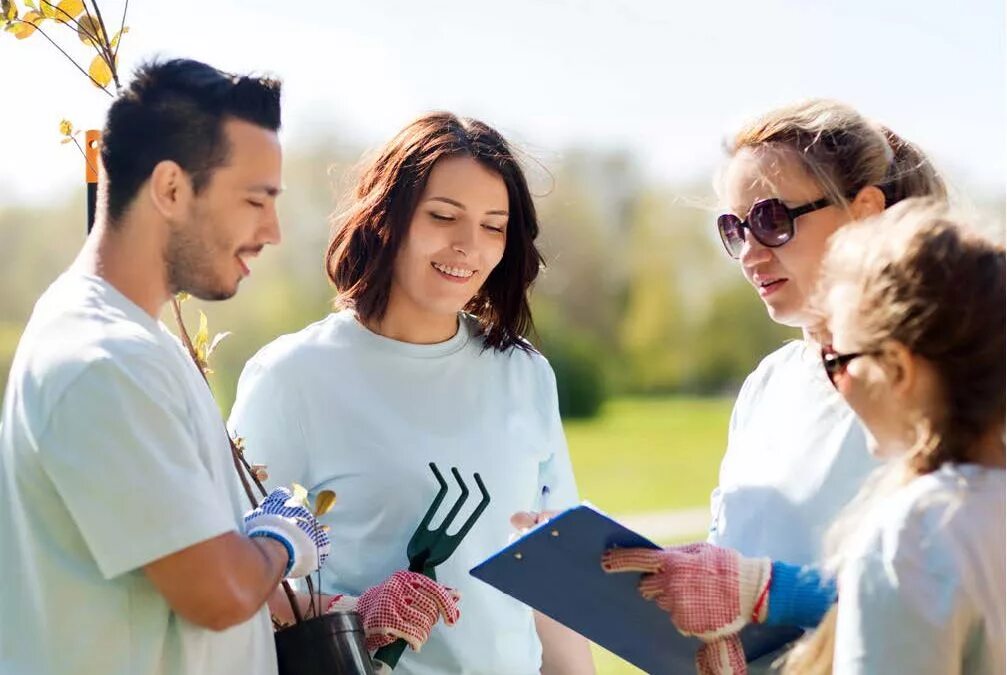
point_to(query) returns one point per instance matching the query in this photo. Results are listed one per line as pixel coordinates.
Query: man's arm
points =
(220, 582)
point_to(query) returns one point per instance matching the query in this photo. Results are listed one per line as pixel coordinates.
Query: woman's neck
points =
(411, 324)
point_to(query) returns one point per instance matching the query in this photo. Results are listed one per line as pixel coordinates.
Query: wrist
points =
(799, 596)
(755, 575)
(276, 546)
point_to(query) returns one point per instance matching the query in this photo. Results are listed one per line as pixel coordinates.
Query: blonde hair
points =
(843, 151)
(922, 276)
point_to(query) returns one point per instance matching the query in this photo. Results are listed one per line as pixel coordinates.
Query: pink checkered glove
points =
(406, 605)
(709, 592)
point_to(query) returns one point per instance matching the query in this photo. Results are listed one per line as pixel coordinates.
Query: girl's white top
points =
(922, 590)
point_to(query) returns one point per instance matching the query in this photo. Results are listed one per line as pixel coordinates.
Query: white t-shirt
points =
(923, 591)
(796, 455)
(112, 455)
(338, 407)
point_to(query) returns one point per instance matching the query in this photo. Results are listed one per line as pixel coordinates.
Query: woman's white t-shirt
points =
(796, 455)
(338, 407)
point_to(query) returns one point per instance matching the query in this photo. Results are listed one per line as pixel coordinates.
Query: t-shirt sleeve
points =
(739, 412)
(267, 419)
(897, 614)
(556, 480)
(126, 464)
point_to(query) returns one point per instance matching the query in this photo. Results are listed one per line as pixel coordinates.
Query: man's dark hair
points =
(175, 110)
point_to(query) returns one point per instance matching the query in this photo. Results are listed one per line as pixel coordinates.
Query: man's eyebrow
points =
(270, 190)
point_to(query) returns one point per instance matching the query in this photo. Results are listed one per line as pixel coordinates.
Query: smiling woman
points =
(424, 362)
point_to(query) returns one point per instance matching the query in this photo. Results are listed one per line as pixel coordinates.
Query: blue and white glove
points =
(288, 521)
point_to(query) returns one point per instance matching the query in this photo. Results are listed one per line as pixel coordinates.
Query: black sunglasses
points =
(835, 363)
(770, 221)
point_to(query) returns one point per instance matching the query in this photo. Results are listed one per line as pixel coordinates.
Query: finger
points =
(724, 656)
(522, 520)
(651, 587)
(631, 560)
(445, 601)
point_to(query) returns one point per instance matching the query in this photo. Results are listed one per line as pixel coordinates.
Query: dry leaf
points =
(100, 71)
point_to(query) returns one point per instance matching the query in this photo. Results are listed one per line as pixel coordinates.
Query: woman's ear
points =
(870, 201)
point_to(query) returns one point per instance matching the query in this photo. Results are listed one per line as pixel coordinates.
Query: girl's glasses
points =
(835, 363)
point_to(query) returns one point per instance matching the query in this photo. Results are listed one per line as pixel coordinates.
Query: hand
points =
(407, 605)
(709, 592)
(289, 521)
(723, 656)
(525, 520)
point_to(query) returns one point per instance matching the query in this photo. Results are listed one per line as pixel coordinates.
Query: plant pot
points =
(332, 644)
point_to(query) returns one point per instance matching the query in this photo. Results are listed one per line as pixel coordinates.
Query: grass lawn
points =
(648, 454)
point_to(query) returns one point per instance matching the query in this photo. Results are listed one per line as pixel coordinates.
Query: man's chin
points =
(213, 294)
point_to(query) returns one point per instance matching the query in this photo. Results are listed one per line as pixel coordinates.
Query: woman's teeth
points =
(454, 271)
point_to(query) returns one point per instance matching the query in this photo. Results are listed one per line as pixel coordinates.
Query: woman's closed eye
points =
(443, 217)
(494, 228)
(256, 204)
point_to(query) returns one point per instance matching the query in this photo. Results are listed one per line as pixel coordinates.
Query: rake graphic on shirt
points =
(428, 548)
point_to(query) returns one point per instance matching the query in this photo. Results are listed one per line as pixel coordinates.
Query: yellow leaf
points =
(66, 127)
(89, 31)
(324, 502)
(100, 71)
(8, 10)
(48, 9)
(299, 497)
(202, 337)
(30, 4)
(68, 139)
(182, 296)
(26, 25)
(115, 38)
(69, 9)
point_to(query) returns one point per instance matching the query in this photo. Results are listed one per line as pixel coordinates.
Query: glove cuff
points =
(342, 603)
(754, 576)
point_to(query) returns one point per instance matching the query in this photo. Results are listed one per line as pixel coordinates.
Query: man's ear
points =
(870, 201)
(169, 189)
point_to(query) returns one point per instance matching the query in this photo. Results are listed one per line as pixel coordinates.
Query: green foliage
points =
(578, 362)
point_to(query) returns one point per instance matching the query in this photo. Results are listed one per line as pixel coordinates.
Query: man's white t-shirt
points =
(923, 591)
(112, 455)
(338, 407)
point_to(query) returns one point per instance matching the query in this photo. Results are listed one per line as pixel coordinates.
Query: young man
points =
(123, 549)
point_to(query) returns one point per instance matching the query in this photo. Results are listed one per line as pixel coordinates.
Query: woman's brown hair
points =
(367, 235)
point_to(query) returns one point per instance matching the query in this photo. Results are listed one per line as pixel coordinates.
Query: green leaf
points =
(30, 4)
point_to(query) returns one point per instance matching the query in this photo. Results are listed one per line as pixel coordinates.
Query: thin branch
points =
(69, 58)
(79, 28)
(122, 25)
(106, 46)
(236, 455)
(84, 154)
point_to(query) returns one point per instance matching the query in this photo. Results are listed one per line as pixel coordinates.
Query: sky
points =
(665, 81)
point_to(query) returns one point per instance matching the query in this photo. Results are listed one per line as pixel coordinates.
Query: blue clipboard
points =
(555, 568)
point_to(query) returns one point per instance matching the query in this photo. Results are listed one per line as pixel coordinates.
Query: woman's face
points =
(456, 237)
(784, 277)
(889, 391)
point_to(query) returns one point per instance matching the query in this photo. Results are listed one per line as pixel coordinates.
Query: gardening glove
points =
(709, 592)
(288, 521)
(406, 605)
(723, 656)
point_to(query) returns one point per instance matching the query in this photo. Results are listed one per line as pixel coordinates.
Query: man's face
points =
(231, 219)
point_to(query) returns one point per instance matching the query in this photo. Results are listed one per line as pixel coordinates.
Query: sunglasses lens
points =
(770, 223)
(831, 364)
(731, 233)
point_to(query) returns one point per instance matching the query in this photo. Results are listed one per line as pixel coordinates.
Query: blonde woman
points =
(915, 306)
(796, 452)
